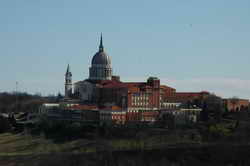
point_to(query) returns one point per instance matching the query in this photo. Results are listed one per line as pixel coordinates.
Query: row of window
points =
(169, 105)
(140, 98)
(140, 103)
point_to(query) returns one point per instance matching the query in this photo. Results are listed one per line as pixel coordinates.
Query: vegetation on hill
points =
(24, 150)
(23, 102)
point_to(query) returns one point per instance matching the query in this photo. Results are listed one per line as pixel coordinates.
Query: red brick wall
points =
(236, 105)
(185, 96)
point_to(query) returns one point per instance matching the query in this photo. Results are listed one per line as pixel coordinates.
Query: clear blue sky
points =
(191, 45)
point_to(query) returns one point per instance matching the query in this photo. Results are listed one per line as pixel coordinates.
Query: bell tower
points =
(68, 83)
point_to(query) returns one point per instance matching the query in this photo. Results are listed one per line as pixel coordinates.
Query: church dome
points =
(101, 65)
(101, 58)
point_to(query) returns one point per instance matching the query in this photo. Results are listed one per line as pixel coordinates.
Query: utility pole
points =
(16, 96)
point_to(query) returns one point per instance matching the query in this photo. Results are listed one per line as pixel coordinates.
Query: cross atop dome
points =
(101, 48)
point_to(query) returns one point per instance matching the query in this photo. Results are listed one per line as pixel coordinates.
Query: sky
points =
(191, 45)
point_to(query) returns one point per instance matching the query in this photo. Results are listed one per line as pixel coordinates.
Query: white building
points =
(84, 90)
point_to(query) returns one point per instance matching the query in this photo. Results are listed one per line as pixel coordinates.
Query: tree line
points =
(23, 102)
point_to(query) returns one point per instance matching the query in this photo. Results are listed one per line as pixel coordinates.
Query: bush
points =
(218, 131)
(4, 125)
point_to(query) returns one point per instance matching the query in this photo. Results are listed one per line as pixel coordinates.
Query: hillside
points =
(20, 150)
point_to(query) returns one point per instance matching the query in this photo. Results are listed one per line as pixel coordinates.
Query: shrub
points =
(4, 124)
(218, 131)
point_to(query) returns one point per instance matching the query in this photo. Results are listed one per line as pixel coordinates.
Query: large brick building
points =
(136, 96)
(104, 89)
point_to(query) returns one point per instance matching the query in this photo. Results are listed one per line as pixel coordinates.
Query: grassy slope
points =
(11, 144)
(21, 150)
(21, 144)
(24, 150)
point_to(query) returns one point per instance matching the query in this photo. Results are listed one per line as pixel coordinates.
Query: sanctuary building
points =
(103, 89)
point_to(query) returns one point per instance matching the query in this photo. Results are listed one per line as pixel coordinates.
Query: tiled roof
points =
(114, 85)
(138, 84)
(150, 113)
(166, 87)
(116, 108)
(84, 107)
(113, 108)
(190, 93)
